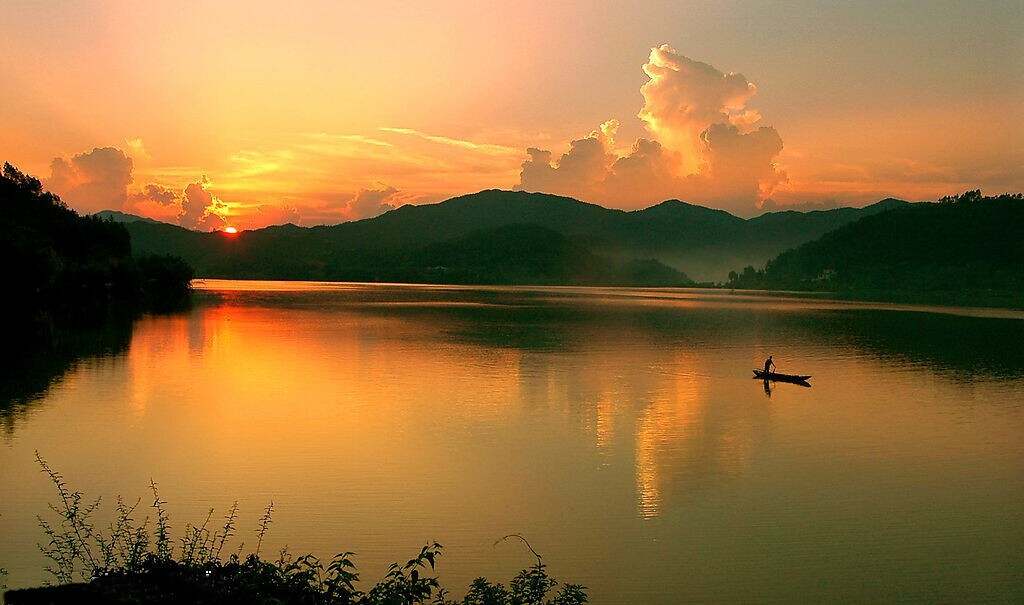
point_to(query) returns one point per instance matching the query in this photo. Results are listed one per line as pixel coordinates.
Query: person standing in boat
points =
(769, 365)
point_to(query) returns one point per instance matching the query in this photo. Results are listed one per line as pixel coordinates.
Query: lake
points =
(618, 429)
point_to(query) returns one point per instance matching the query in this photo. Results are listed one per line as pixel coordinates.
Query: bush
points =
(132, 562)
(165, 280)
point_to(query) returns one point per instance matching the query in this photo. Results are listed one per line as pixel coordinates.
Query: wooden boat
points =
(775, 377)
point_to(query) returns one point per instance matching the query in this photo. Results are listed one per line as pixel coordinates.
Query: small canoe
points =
(775, 377)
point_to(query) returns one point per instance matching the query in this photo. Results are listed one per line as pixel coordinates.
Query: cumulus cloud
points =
(102, 179)
(683, 97)
(156, 193)
(155, 201)
(92, 181)
(580, 171)
(705, 145)
(368, 203)
(200, 209)
(739, 166)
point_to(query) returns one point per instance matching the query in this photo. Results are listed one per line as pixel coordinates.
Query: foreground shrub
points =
(138, 562)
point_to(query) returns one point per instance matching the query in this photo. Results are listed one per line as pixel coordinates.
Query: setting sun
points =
(231, 230)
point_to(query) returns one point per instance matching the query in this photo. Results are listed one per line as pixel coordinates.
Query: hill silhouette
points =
(60, 264)
(588, 243)
(117, 216)
(966, 243)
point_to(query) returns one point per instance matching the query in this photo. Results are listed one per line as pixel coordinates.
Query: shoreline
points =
(971, 306)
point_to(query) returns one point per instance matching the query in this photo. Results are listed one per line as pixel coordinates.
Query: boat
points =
(776, 377)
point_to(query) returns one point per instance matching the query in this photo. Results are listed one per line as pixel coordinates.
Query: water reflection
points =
(377, 416)
(31, 364)
(958, 342)
(569, 347)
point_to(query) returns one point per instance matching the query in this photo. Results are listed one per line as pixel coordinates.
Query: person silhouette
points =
(769, 365)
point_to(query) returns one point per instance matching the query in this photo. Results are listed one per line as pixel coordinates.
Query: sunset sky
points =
(256, 113)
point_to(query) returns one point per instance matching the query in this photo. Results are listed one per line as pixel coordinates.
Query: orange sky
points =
(214, 113)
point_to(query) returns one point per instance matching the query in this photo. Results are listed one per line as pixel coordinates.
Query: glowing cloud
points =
(200, 209)
(156, 193)
(155, 201)
(684, 97)
(92, 181)
(369, 203)
(470, 145)
(137, 149)
(706, 145)
(100, 180)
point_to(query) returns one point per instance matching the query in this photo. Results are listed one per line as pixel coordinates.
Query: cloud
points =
(683, 97)
(369, 203)
(200, 209)
(705, 145)
(266, 215)
(739, 166)
(156, 193)
(137, 149)
(156, 202)
(321, 175)
(648, 170)
(92, 181)
(487, 148)
(101, 179)
(580, 171)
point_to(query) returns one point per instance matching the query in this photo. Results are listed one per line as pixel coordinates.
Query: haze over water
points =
(617, 429)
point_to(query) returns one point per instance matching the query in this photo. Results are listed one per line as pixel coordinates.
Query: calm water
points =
(618, 429)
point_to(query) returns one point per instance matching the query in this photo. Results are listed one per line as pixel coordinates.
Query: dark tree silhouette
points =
(62, 264)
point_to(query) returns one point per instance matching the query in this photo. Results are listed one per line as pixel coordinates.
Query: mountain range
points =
(496, 236)
(968, 243)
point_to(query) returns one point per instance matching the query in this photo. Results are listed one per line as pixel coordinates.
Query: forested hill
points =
(421, 243)
(59, 263)
(964, 243)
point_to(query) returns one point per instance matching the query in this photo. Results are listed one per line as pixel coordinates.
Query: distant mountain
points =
(525, 254)
(964, 243)
(413, 242)
(122, 217)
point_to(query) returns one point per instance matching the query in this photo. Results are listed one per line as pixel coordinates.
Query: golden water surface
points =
(618, 429)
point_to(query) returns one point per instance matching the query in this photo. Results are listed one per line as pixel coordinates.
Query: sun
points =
(230, 230)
